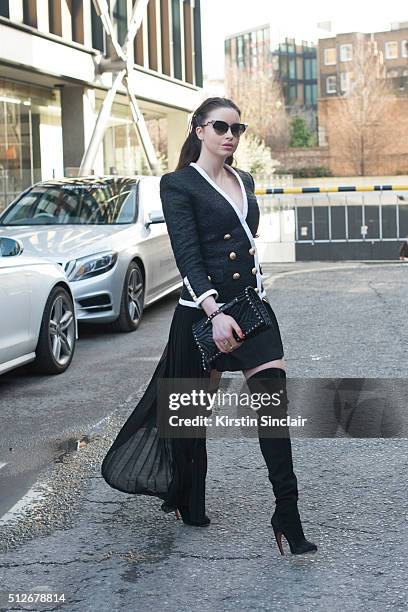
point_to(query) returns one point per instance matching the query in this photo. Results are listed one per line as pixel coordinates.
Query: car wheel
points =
(56, 342)
(131, 304)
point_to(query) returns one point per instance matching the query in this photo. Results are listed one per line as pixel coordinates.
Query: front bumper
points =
(97, 299)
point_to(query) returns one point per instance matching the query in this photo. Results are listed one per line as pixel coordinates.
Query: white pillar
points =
(177, 123)
(16, 11)
(87, 23)
(43, 22)
(66, 21)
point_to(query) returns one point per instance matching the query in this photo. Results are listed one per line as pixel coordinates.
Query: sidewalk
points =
(109, 551)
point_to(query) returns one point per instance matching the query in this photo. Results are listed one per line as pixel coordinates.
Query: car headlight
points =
(86, 267)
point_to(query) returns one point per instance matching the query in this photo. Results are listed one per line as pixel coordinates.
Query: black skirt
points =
(174, 470)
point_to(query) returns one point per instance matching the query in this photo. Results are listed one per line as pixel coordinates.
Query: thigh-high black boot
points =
(276, 449)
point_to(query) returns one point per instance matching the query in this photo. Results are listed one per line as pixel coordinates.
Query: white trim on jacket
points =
(241, 216)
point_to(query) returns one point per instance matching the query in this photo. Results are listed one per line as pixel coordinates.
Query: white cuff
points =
(206, 294)
(189, 287)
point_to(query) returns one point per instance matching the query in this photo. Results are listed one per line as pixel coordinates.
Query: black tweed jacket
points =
(213, 242)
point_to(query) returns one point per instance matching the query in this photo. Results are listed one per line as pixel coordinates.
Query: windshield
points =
(75, 204)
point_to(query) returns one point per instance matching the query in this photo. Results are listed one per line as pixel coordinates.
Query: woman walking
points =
(212, 217)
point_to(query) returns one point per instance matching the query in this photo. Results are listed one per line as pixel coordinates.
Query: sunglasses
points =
(221, 127)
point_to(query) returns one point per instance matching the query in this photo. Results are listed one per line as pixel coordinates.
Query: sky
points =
(296, 18)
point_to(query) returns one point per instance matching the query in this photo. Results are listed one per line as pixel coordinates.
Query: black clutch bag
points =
(248, 310)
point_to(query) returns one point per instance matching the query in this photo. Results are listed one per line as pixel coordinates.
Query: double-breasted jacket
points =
(212, 240)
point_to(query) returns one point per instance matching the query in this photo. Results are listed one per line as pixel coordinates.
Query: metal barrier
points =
(340, 189)
(342, 222)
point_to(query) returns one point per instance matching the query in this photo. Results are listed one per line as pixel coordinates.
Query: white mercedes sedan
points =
(109, 236)
(37, 316)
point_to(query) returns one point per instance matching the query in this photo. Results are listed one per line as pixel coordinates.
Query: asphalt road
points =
(107, 551)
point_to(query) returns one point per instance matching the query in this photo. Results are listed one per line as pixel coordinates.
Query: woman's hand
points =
(223, 326)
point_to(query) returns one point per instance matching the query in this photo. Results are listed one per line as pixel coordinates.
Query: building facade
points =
(294, 64)
(51, 90)
(358, 61)
(335, 59)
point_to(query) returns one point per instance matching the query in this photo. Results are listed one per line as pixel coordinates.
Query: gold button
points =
(253, 270)
(232, 255)
(236, 276)
(252, 251)
(227, 236)
(209, 277)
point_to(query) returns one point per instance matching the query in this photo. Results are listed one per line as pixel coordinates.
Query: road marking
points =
(2, 465)
(36, 493)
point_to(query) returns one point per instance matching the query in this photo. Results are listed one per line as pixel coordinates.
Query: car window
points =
(79, 203)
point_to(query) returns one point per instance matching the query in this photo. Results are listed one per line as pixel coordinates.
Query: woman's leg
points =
(276, 448)
(276, 363)
(275, 440)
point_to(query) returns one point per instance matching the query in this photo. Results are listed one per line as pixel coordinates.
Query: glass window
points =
(330, 56)
(314, 68)
(30, 13)
(331, 85)
(338, 222)
(75, 204)
(176, 39)
(321, 219)
(30, 118)
(404, 48)
(307, 68)
(283, 66)
(98, 37)
(310, 95)
(389, 221)
(346, 52)
(392, 74)
(292, 69)
(391, 49)
(355, 221)
(4, 8)
(119, 14)
(292, 94)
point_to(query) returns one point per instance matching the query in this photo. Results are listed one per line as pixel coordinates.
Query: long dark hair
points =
(191, 149)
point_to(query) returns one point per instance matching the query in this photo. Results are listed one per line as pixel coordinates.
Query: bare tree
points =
(360, 116)
(260, 99)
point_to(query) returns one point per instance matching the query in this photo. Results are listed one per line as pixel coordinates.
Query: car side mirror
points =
(155, 216)
(9, 247)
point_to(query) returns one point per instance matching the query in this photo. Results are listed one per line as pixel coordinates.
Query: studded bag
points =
(248, 310)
